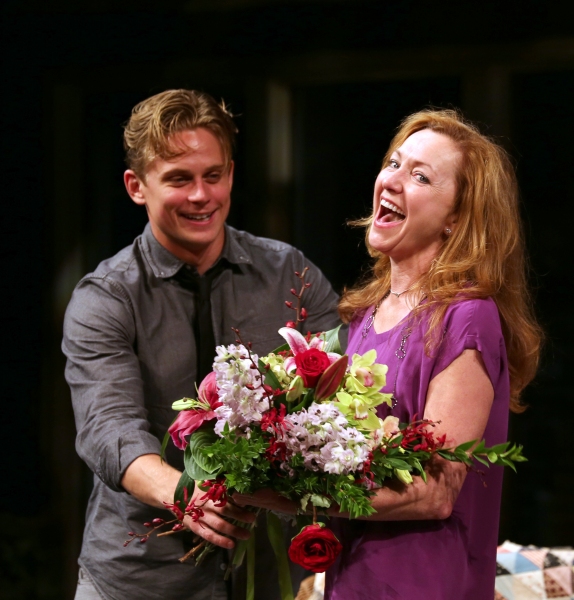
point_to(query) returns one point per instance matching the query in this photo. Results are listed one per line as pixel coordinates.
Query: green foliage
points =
(242, 461)
(332, 343)
(185, 483)
(201, 439)
(270, 378)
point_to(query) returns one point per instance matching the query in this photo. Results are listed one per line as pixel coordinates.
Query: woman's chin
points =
(383, 240)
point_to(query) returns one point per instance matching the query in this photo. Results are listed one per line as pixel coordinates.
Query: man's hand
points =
(214, 525)
(153, 481)
(267, 499)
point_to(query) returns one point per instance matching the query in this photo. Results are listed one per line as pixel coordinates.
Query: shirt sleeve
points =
(103, 373)
(473, 325)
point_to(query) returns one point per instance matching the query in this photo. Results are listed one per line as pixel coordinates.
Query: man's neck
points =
(202, 257)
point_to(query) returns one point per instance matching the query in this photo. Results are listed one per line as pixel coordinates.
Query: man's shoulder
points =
(119, 273)
(260, 245)
(121, 265)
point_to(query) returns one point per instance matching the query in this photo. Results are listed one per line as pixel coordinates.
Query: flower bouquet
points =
(302, 421)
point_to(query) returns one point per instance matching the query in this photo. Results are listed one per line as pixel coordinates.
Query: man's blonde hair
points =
(149, 132)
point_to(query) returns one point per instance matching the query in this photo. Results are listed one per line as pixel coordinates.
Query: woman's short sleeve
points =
(473, 324)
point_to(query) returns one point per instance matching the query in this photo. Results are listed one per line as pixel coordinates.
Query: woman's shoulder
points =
(478, 306)
(473, 315)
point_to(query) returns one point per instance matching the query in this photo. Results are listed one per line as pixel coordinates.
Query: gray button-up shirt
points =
(128, 337)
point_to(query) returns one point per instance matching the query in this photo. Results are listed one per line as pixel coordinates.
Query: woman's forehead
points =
(431, 148)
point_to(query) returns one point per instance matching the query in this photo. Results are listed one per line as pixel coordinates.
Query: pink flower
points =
(190, 420)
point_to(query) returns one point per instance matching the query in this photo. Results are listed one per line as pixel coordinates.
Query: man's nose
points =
(198, 193)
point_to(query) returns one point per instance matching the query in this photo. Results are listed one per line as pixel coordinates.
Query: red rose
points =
(310, 365)
(315, 548)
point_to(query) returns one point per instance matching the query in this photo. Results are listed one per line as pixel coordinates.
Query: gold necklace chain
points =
(399, 294)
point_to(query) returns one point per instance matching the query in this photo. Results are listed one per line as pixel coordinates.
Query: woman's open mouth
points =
(389, 213)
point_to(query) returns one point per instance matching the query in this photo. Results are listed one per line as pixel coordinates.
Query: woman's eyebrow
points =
(416, 161)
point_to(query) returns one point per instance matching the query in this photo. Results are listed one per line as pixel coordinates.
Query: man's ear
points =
(134, 186)
(231, 169)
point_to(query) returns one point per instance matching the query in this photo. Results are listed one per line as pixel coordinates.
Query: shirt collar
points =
(164, 264)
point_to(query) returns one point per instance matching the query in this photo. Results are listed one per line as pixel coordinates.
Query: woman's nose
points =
(392, 180)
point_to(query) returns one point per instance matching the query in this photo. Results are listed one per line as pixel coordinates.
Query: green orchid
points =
(365, 374)
(277, 366)
(361, 407)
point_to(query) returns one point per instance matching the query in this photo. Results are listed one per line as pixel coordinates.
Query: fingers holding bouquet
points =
(267, 499)
(219, 525)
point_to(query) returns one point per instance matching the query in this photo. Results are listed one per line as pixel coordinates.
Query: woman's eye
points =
(421, 178)
(393, 164)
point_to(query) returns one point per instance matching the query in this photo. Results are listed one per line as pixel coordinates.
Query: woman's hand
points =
(267, 499)
(214, 525)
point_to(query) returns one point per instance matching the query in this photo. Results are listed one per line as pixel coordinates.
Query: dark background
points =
(318, 87)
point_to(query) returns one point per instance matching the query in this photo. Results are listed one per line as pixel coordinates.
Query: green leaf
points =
(305, 403)
(332, 343)
(270, 378)
(480, 448)
(418, 466)
(185, 482)
(466, 446)
(397, 463)
(481, 460)
(283, 348)
(164, 443)
(192, 468)
(200, 440)
(499, 448)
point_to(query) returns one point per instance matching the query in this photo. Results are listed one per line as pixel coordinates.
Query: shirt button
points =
(223, 566)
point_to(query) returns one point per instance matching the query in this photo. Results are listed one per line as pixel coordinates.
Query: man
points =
(141, 330)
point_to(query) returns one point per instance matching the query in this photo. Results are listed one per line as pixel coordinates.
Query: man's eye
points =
(213, 177)
(178, 180)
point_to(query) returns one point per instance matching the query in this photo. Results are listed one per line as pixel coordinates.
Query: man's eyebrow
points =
(417, 162)
(175, 172)
(180, 172)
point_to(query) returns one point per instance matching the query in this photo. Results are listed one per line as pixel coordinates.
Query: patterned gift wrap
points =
(533, 573)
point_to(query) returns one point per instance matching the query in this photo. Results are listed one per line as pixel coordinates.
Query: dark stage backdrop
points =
(318, 88)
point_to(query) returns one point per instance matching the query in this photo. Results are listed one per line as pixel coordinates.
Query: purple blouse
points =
(451, 559)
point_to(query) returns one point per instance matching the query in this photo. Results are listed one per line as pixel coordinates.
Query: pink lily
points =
(191, 419)
(298, 343)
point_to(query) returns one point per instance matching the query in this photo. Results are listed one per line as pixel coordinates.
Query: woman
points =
(448, 311)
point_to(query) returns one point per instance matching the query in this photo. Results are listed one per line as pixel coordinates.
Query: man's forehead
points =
(185, 145)
(192, 140)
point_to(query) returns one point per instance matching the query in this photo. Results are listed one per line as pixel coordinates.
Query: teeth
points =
(198, 217)
(392, 207)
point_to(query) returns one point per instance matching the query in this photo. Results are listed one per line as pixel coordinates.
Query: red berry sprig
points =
(300, 311)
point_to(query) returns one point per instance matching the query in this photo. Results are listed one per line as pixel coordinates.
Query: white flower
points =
(322, 435)
(239, 388)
